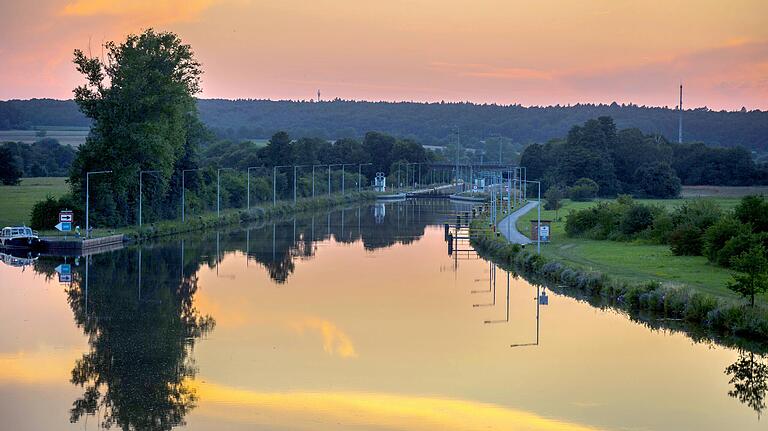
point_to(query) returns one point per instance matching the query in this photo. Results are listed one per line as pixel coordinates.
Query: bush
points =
(685, 240)
(584, 189)
(716, 236)
(738, 244)
(662, 228)
(45, 213)
(753, 210)
(701, 213)
(637, 219)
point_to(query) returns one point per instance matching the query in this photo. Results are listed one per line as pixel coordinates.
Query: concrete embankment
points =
(82, 247)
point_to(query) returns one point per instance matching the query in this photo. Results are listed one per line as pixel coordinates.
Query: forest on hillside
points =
(427, 123)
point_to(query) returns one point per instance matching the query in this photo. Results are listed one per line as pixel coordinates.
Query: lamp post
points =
(343, 183)
(274, 182)
(329, 176)
(248, 188)
(88, 199)
(141, 173)
(538, 216)
(313, 179)
(218, 190)
(295, 167)
(183, 191)
(360, 174)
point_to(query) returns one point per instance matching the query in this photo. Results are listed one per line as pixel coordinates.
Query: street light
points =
(183, 191)
(313, 179)
(342, 176)
(248, 189)
(274, 182)
(538, 221)
(140, 194)
(329, 176)
(295, 167)
(218, 189)
(360, 175)
(88, 199)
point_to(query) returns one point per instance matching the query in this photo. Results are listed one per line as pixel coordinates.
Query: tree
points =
(657, 180)
(752, 276)
(9, 169)
(749, 378)
(144, 118)
(584, 189)
(753, 210)
(554, 197)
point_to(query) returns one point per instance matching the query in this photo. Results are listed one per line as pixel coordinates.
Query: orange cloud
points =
(163, 10)
(335, 341)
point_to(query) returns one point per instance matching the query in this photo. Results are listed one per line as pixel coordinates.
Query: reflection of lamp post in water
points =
(506, 318)
(540, 300)
(491, 286)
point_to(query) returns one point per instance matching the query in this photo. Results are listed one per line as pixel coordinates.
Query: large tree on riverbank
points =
(144, 118)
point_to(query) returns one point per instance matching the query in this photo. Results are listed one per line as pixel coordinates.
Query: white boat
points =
(19, 237)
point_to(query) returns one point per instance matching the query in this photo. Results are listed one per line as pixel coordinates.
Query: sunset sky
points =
(526, 52)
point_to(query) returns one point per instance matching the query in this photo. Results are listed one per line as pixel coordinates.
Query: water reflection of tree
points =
(137, 372)
(749, 377)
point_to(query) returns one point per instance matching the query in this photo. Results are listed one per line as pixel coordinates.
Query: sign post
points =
(66, 217)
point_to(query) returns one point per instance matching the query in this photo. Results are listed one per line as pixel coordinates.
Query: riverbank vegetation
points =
(639, 259)
(653, 299)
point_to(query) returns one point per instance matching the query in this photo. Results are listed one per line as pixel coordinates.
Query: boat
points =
(19, 237)
(16, 260)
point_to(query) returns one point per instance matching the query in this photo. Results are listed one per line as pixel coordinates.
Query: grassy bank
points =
(635, 262)
(649, 301)
(229, 217)
(16, 202)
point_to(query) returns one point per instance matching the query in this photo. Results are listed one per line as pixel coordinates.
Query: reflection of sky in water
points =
(378, 334)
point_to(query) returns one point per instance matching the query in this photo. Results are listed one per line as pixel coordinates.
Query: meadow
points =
(638, 261)
(16, 202)
(73, 136)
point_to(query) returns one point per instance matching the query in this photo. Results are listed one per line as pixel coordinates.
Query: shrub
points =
(685, 240)
(738, 244)
(45, 213)
(718, 234)
(753, 210)
(662, 228)
(637, 219)
(584, 189)
(701, 213)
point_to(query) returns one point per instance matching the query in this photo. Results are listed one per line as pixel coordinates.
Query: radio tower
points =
(680, 117)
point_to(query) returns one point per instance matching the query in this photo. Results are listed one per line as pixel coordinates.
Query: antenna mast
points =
(680, 119)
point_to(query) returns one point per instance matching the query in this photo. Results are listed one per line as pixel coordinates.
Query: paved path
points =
(508, 226)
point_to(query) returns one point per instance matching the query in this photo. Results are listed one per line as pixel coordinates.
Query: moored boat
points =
(19, 237)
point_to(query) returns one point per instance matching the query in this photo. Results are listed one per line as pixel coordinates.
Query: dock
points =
(82, 247)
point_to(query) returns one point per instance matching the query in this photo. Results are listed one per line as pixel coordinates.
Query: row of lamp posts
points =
(218, 186)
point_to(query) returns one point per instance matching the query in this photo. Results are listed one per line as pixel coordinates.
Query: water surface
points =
(354, 319)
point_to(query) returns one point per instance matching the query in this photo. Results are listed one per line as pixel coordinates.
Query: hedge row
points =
(724, 317)
(232, 217)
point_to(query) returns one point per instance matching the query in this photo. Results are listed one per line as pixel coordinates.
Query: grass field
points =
(73, 136)
(634, 261)
(16, 201)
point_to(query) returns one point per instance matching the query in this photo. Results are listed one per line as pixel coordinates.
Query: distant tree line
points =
(631, 162)
(428, 123)
(44, 158)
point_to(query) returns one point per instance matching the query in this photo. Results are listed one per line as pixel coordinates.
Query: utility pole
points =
(680, 117)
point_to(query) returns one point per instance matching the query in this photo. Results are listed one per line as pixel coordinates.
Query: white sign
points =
(66, 216)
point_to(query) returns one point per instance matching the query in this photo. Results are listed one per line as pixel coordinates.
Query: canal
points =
(355, 319)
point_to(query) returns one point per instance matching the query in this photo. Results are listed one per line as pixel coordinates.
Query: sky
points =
(484, 51)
